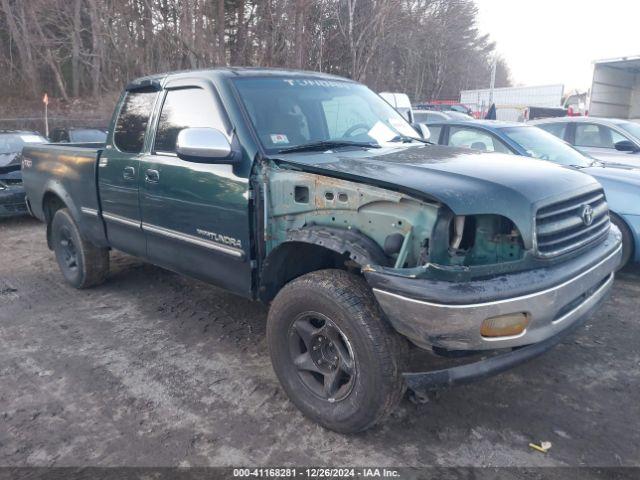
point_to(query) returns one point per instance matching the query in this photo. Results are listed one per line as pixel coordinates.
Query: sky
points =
(555, 41)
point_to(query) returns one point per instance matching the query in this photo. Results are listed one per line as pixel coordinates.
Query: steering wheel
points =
(354, 128)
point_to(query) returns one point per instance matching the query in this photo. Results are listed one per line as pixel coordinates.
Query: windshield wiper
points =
(408, 139)
(327, 144)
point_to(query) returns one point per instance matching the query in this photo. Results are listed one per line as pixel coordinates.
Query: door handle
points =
(152, 176)
(129, 173)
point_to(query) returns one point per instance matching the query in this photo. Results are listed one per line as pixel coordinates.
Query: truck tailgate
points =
(69, 172)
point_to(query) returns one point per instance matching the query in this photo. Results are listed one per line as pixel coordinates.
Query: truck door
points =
(119, 172)
(195, 216)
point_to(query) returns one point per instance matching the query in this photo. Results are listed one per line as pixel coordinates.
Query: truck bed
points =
(65, 170)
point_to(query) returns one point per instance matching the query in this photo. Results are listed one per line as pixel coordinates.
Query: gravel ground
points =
(154, 369)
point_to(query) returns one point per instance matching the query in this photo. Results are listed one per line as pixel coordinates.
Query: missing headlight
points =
(462, 233)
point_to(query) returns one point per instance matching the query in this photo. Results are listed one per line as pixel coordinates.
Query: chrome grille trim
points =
(560, 228)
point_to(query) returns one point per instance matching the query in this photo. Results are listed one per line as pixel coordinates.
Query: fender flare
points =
(314, 248)
(55, 188)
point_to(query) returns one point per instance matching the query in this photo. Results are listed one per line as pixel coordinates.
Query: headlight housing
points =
(477, 240)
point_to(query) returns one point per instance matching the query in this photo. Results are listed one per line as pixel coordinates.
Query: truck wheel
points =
(333, 352)
(82, 264)
(627, 240)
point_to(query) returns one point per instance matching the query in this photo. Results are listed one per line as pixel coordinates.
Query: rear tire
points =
(82, 264)
(336, 357)
(627, 240)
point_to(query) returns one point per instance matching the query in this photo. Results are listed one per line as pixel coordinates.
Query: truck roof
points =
(232, 72)
(602, 120)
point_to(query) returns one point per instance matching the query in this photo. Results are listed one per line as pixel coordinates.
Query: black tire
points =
(627, 240)
(82, 264)
(339, 307)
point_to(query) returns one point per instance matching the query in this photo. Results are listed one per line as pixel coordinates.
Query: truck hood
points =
(467, 181)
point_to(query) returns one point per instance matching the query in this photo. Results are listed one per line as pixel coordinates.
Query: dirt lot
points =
(155, 369)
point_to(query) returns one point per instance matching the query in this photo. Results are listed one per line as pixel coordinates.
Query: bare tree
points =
(71, 48)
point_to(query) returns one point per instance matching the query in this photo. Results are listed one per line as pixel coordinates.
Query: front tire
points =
(336, 357)
(82, 264)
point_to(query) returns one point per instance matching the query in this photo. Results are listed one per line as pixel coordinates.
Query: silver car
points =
(609, 140)
(429, 116)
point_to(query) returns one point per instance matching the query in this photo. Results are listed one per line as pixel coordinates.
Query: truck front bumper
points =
(449, 315)
(448, 377)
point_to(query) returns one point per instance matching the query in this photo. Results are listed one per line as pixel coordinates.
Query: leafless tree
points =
(75, 48)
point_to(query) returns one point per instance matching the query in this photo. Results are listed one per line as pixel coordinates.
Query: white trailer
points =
(615, 90)
(512, 102)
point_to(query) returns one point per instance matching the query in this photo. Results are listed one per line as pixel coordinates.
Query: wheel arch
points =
(53, 200)
(619, 220)
(316, 248)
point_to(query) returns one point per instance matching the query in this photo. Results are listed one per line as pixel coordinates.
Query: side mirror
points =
(204, 145)
(423, 130)
(626, 146)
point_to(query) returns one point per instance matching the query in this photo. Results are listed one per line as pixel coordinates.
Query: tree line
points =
(75, 48)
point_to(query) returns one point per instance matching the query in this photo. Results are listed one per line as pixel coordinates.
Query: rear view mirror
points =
(204, 144)
(626, 146)
(423, 130)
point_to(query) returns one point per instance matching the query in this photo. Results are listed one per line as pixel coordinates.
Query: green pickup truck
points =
(311, 194)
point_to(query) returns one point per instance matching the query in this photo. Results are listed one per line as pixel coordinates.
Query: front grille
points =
(14, 207)
(564, 226)
(12, 181)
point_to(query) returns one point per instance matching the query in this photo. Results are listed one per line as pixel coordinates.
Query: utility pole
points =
(492, 85)
(45, 100)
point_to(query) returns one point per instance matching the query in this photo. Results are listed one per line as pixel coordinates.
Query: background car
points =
(11, 190)
(444, 107)
(606, 139)
(621, 183)
(401, 102)
(78, 135)
(428, 116)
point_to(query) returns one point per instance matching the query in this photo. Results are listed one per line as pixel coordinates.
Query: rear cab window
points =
(132, 121)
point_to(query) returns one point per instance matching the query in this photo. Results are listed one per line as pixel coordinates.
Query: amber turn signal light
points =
(504, 325)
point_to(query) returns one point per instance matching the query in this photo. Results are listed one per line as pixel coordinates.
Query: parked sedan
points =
(606, 139)
(429, 116)
(11, 191)
(621, 183)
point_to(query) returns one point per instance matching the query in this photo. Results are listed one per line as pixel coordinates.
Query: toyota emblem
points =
(587, 215)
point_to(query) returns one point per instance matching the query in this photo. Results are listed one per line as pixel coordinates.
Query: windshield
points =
(88, 135)
(545, 146)
(632, 128)
(13, 142)
(288, 112)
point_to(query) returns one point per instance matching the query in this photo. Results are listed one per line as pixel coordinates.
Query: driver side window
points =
(592, 135)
